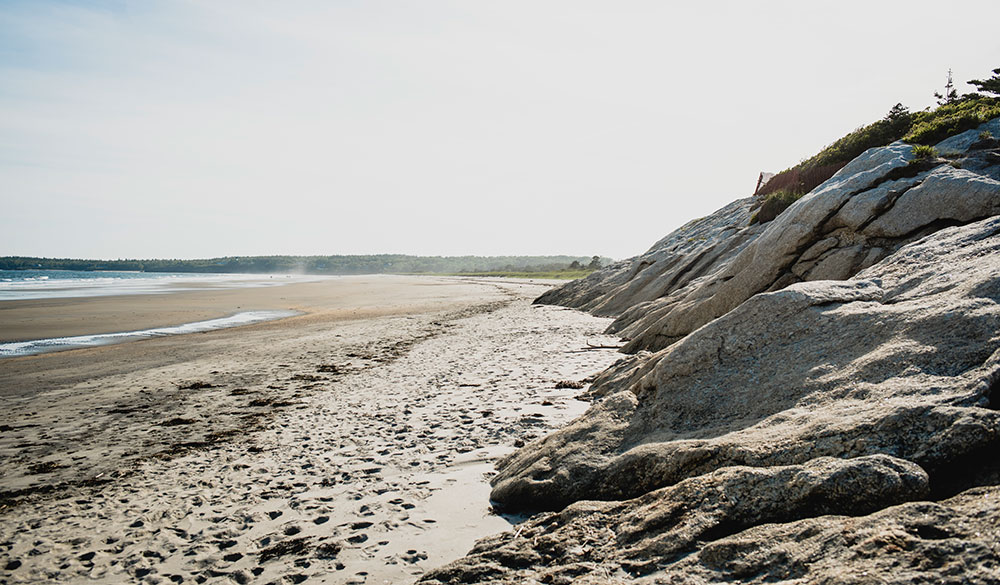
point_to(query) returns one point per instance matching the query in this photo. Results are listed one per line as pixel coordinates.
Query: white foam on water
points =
(37, 346)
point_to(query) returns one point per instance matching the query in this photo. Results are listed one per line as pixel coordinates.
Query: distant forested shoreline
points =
(353, 264)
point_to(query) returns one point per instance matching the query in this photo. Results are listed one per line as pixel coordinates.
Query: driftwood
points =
(592, 347)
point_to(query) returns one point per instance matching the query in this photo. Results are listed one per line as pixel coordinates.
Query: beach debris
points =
(307, 378)
(44, 467)
(196, 385)
(593, 347)
(294, 546)
(271, 402)
(569, 384)
(328, 550)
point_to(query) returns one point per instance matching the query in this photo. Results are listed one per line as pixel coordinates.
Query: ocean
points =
(18, 285)
(23, 348)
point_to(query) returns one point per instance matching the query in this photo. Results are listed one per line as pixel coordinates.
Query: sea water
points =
(21, 348)
(16, 285)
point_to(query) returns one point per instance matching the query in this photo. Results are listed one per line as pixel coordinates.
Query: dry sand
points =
(351, 444)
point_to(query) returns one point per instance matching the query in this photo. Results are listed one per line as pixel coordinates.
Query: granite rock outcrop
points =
(815, 399)
(924, 542)
(899, 360)
(877, 203)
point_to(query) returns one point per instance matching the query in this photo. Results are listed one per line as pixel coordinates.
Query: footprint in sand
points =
(414, 556)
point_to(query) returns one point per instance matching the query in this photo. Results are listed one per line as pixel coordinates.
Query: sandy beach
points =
(350, 444)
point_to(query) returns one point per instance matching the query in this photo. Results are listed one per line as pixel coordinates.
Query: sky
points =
(192, 129)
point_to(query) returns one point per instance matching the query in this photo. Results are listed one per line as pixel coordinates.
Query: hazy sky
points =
(206, 128)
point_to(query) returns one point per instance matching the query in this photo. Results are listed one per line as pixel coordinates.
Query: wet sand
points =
(351, 444)
(334, 298)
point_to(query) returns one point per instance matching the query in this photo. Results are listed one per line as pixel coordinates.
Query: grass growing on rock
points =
(791, 184)
(920, 128)
(950, 119)
(774, 204)
(923, 152)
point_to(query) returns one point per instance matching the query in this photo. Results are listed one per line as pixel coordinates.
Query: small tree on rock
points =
(991, 85)
(898, 112)
(950, 95)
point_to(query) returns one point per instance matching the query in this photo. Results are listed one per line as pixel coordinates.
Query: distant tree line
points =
(359, 264)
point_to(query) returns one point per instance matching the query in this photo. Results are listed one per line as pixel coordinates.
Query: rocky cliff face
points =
(823, 403)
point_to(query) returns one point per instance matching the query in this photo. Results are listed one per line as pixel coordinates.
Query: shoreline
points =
(32, 319)
(53, 344)
(351, 444)
(342, 297)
